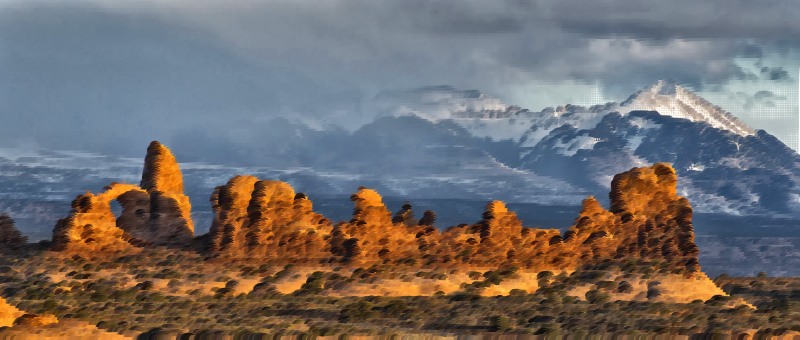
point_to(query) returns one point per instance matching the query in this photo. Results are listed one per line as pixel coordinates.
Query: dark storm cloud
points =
(689, 19)
(83, 78)
(760, 99)
(763, 94)
(777, 73)
(115, 75)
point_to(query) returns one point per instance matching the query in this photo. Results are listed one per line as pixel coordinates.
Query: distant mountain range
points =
(439, 142)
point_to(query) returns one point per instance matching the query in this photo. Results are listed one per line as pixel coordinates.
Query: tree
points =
(147, 285)
(405, 216)
(314, 284)
(762, 274)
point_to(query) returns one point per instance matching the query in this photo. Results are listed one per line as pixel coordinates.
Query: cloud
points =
(775, 73)
(137, 70)
(759, 99)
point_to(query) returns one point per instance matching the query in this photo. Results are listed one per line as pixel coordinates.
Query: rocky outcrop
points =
(499, 239)
(157, 212)
(169, 208)
(266, 219)
(651, 220)
(10, 236)
(91, 225)
(647, 221)
(372, 236)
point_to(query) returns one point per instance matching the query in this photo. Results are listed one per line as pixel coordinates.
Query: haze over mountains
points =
(440, 143)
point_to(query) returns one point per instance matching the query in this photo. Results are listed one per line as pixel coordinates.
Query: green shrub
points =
(597, 296)
(358, 311)
(99, 297)
(499, 323)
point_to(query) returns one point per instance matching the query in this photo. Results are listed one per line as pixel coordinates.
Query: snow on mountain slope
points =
(672, 100)
(484, 116)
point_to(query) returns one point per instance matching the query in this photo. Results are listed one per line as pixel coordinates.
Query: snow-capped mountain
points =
(669, 99)
(725, 165)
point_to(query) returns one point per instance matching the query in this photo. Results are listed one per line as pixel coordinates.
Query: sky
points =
(110, 76)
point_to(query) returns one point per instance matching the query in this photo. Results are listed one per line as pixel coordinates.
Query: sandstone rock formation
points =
(91, 225)
(372, 236)
(157, 212)
(169, 207)
(265, 219)
(16, 324)
(647, 220)
(9, 234)
(497, 240)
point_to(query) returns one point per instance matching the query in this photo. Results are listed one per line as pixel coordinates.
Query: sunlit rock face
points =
(647, 220)
(170, 209)
(268, 220)
(265, 219)
(91, 225)
(155, 212)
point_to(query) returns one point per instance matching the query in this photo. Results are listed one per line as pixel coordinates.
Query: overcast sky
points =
(111, 76)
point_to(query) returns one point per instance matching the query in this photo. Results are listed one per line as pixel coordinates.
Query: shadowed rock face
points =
(9, 235)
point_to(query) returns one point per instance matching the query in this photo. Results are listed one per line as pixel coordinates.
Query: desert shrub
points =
(568, 299)
(544, 275)
(99, 297)
(499, 323)
(358, 311)
(517, 292)
(394, 308)
(548, 329)
(597, 296)
(624, 287)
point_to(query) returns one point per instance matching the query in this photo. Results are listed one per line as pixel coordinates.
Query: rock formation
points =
(266, 219)
(499, 239)
(169, 207)
(156, 212)
(371, 235)
(646, 220)
(9, 234)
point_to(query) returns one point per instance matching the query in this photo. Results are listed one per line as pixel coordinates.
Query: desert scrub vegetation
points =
(166, 299)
